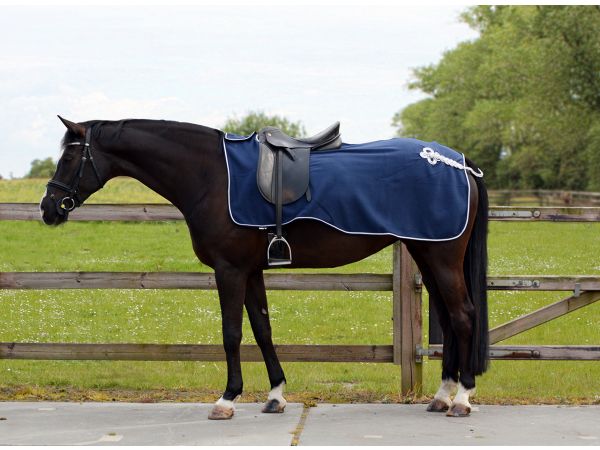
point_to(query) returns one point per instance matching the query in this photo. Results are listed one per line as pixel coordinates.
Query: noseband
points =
(72, 200)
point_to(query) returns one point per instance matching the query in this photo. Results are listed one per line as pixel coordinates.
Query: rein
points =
(72, 200)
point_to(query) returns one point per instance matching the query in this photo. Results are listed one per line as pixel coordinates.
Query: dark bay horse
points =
(185, 164)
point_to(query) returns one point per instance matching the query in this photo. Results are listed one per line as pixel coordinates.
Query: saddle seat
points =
(327, 139)
(283, 175)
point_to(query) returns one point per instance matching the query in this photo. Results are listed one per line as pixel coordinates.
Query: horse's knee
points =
(232, 339)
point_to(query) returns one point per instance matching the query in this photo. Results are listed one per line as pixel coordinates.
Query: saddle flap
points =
(295, 174)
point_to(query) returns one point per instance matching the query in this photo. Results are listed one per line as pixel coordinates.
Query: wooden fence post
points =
(407, 321)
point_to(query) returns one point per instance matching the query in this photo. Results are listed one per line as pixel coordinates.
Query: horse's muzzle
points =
(54, 212)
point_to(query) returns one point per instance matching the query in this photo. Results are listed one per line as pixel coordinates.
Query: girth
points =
(283, 176)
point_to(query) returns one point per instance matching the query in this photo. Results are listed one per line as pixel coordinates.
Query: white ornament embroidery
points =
(434, 157)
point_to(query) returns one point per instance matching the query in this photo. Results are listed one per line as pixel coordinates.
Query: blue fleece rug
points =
(383, 187)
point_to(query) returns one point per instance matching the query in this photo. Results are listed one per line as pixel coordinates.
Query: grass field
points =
(184, 316)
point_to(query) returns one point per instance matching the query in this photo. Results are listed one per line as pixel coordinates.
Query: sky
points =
(203, 64)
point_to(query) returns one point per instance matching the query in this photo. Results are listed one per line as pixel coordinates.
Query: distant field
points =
(118, 190)
(184, 316)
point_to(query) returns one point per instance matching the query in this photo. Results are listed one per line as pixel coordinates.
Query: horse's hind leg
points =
(461, 314)
(258, 313)
(444, 277)
(443, 397)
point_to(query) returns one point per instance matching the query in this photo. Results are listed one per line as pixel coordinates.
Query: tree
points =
(255, 120)
(41, 168)
(522, 100)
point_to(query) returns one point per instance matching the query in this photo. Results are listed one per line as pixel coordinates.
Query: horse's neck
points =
(169, 166)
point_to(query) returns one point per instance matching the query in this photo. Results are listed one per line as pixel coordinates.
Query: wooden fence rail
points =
(189, 280)
(404, 282)
(158, 212)
(531, 352)
(192, 352)
(273, 281)
(544, 197)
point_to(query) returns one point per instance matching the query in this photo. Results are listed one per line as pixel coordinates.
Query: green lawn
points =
(185, 316)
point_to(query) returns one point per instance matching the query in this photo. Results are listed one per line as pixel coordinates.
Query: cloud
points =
(30, 123)
(204, 64)
(99, 105)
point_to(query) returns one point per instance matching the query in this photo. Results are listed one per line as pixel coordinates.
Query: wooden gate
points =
(406, 349)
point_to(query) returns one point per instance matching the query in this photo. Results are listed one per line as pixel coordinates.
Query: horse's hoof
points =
(459, 410)
(220, 413)
(437, 405)
(273, 406)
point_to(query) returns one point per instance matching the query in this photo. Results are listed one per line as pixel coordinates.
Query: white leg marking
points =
(462, 396)
(229, 404)
(446, 390)
(277, 394)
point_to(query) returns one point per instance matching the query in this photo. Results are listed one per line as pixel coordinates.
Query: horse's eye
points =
(67, 157)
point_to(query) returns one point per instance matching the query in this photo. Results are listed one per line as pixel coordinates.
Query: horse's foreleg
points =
(258, 313)
(231, 284)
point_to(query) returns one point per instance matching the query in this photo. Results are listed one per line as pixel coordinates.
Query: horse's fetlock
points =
(232, 393)
(468, 382)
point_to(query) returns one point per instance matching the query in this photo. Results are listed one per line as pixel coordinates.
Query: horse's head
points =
(77, 175)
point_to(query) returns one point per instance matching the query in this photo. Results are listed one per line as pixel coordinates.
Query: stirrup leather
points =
(283, 174)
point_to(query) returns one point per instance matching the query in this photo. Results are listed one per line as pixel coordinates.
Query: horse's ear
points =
(76, 128)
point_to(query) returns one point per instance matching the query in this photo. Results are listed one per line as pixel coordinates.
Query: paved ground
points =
(35, 423)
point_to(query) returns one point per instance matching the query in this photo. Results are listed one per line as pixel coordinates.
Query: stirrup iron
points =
(279, 252)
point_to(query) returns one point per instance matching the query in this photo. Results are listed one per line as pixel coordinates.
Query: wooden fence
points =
(543, 197)
(406, 349)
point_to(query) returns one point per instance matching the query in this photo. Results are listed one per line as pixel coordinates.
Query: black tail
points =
(475, 270)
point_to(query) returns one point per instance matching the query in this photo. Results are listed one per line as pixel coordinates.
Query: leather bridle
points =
(71, 201)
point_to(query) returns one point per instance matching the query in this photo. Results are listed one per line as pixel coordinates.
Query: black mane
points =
(98, 126)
